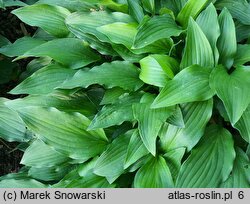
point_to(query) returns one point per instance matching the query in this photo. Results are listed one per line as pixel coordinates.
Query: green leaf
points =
(38, 154)
(227, 50)
(116, 74)
(114, 5)
(62, 131)
(21, 183)
(111, 95)
(12, 128)
(20, 46)
(84, 23)
(191, 9)
(90, 181)
(120, 33)
(158, 69)
(174, 5)
(206, 20)
(110, 163)
(239, 177)
(149, 5)
(9, 3)
(189, 85)
(72, 5)
(135, 10)
(196, 116)
(150, 122)
(78, 102)
(49, 173)
(232, 89)
(197, 49)
(239, 9)
(242, 55)
(136, 149)
(243, 125)
(242, 31)
(154, 174)
(173, 159)
(44, 80)
(156, 28)
(115, 114)
(70, 52)
(177, 118)
(210, 163)
(49, 18)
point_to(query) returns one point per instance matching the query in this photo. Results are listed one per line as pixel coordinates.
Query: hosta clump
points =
(136, 93)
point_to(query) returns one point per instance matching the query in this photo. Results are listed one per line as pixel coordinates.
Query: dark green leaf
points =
(156, 28)
(210, 163)
(197, 49)
(50, 18)
(116, 74)
(227, 50)
(70, 52)
(62, 131)
(191, 84)
(154, 174)
(44, 80)
(196, 116)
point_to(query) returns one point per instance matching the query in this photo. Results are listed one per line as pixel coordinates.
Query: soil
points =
(12, 28)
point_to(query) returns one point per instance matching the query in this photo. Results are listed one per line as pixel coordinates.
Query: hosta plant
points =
(131, 93)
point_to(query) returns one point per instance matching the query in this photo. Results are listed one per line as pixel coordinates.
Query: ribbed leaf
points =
(232, 89)
(90, 181)
(154, 174)
(110, 163)
(197, 49)
(150, 122)
(120, 33)
(20, 46)
(173, 159)
(49, 173)
(21, 183)
(73, 5)
(86, 23)
(243, 125)
(112, 95)
(70, 52)
(242, 55)
(44, 80)
(242, 31)
(191, 9)
(117, 73)
(149, 5)
(156, 28)
(196, 116)
(239, 9)
(135, 10)
(38, 154)
(136, 149)
(65, 132)
(50, 18)
(191, 84)
(210, 163)
(158, 69)
(177, 118)
(206, 20)
(79, 102)
(240, 174)
(227, 50)
(12, 128)
(115, 114)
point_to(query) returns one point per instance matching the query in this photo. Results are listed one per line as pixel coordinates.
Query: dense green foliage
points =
(130, 93)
